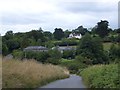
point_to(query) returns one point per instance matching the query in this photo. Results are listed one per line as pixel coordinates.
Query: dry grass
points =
(30, 73)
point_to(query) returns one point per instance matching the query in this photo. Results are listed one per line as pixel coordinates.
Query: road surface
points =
(73, 81)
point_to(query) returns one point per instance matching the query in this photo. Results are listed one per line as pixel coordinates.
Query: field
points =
(30, 73)
(107, 46)
(101, 76)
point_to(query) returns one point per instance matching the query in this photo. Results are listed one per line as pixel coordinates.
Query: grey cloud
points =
(83, 7)
(19, 18)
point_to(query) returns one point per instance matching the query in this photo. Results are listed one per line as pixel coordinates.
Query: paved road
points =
(73, 81)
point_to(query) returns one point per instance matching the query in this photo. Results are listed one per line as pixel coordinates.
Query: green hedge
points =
(73, 66)
(101, 76)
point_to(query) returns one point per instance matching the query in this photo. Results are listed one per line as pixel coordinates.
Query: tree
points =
(118, 38)
(58, 33)
(91, 48)
(69, 54)
(81, 30)
(118, 30)
(4, 49)
(36, 34)
(9, 35)
(102, 28)
(48, 35)
(12, 44)
(67, 33)
(55, 56)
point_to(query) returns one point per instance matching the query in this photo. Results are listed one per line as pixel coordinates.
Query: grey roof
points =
(63, 48)
(36, 48)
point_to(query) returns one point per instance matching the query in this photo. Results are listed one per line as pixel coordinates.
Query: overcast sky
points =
(25, 15)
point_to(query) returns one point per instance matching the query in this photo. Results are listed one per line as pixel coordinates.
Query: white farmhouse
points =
(74, 35)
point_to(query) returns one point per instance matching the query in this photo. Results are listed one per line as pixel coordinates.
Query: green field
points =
(107, 46)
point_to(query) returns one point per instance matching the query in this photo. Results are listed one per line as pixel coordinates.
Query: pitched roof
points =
(36, 48)
(64, 48)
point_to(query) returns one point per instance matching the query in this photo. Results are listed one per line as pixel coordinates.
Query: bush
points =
(53, 61)
(114, 53)
(69, 54)
(66, 42)
(39, 56)
(101, 76)
(54, 57)
(55, 54)
(83, 60)
(17, 54)
(72, 65)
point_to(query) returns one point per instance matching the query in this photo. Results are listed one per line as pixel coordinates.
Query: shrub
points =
(17, 54)
(53, 61)
(65, 42)
(114, 53)
(101, 76)
(55, 54)
(4, 49)
(69, 54)
(72, 65)
(83, 60)
(39, 56)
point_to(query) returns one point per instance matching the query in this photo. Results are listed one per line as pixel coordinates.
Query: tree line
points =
(12, 41)
(89, 47)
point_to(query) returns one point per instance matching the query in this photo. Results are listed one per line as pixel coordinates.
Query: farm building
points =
(64, 48)
(36, 48)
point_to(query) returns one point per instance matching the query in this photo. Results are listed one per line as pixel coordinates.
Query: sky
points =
(27, 15)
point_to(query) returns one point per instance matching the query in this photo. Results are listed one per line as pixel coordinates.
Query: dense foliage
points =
(101, 76)
(91, 48)
(74, 66)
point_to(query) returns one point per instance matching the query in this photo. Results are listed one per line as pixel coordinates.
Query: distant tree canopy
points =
(67, 33)
(58, 33)
(102, 28)
(12, 41)
(81, 30)
(48, 35)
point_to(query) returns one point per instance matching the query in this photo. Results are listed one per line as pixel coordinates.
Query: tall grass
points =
(30, 73)
(101, 76)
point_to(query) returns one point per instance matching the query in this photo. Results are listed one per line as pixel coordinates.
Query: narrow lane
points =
(73, 81)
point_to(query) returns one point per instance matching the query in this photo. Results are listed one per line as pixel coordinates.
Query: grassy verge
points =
(101, 76)
(30, 74)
